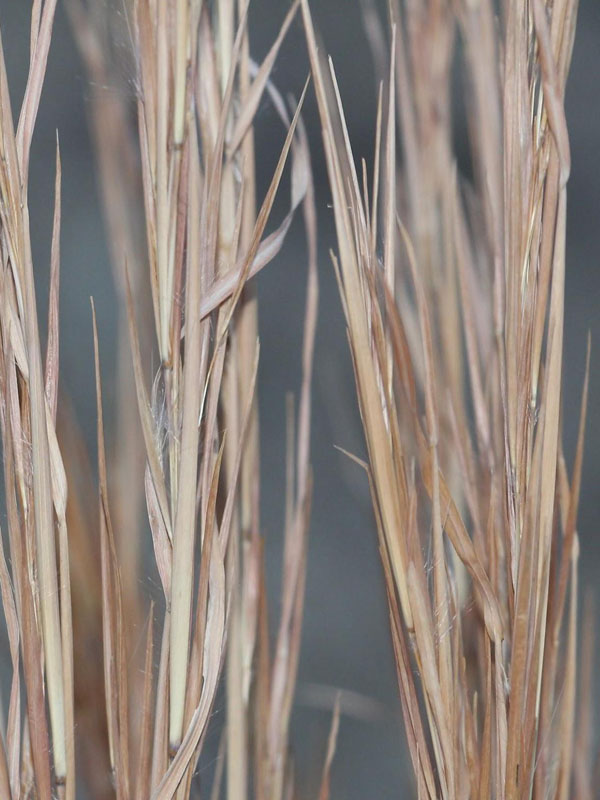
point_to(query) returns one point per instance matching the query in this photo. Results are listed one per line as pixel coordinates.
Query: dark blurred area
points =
(346, 640)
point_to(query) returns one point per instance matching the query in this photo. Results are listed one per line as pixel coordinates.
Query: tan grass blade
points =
(324, 791)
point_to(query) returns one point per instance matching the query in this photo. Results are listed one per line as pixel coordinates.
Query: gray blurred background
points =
(346, 641)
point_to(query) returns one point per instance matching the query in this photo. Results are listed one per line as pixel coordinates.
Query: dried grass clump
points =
(453, 292)
(455, 327)
(186, 236)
